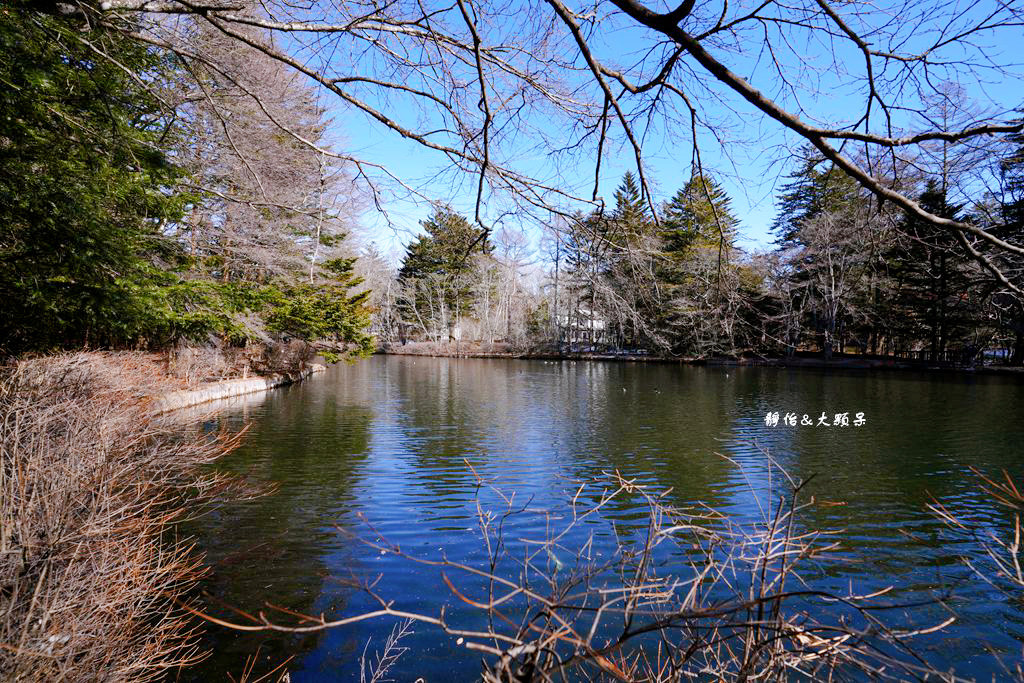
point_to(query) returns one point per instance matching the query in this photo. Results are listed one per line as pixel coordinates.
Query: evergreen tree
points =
(85, 186)
(585, 250)
(815, 188)
(696, 276)
(629, 271)
(1010, 308)
(324, 311)
(698, 215)
(93, 250)
(1013, 168)
(934, 301)
(631, 216)
(438, 266)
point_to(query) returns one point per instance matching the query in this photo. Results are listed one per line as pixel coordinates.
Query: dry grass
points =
(89, 487)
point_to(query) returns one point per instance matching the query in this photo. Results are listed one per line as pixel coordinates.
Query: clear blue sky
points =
(751, 164)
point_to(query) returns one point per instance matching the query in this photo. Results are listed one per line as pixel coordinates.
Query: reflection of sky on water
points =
(382, 447)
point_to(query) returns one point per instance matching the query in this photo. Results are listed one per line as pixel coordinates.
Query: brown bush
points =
(89, 487)
(694, 596)
(290, 356)
(194, 365)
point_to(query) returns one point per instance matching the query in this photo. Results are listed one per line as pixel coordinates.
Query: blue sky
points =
(750, 165)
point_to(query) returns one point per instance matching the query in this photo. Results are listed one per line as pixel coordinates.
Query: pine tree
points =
(698, 215)
(934, 301)
(1011, 308)
(815, 188)
(95, 248)
(438, 268)
(325, 310)
(631, 263)
(696, 276)
(84, 187)
(631, 216)
(1013, 200)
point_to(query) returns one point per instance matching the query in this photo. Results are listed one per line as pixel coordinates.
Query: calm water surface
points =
(380, 449)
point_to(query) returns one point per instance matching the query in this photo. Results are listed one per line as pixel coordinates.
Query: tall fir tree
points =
(630, 267)
(934, 302)
(1012, 167)
(698, 215)
(84, 183)
(1010, 306)
(631, 216)
(92, 250)
(438, 266)
(814, 188)
(695, 272)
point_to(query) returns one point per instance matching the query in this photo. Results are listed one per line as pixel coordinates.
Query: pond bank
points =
(92, 587)
(470, 350)
(229, 388)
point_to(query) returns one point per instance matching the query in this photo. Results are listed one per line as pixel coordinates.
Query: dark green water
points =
(381, 448)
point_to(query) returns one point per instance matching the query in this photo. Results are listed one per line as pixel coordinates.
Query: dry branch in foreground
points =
(690, 594)
(90, 485)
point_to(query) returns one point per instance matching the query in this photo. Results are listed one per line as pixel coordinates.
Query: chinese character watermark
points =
(773, 418)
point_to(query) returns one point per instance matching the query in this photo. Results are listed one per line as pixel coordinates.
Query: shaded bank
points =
(92, 480)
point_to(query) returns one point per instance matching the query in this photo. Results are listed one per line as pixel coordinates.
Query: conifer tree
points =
(934, 300)
(699, 214)
(630, 269)
(631, 216)
(1011, 308)
(696, 274)
(84, 186)
(813, 189)
(437, 270)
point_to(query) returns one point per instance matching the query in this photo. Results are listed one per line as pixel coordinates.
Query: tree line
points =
(847, 274)
(172, 176)
(149, 199)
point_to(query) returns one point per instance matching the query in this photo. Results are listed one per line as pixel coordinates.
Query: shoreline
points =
(228, 388)
(844, 363)
(93, 483)
(96, 469)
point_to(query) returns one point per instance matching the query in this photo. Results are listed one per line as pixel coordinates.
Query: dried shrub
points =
(690, 595)
(195, 365)
(286, 357)
(90, 485)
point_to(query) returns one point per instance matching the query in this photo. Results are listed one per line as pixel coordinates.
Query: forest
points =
(847, 276)
(175, 179)
(147, 203)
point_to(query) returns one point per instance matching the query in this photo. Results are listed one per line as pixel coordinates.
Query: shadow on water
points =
(385, 446)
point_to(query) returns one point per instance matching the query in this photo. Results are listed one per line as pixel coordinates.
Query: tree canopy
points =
(109, 240)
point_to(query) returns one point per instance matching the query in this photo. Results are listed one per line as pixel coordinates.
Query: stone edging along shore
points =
(228, 388)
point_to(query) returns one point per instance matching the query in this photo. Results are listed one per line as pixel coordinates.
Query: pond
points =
(393, 448)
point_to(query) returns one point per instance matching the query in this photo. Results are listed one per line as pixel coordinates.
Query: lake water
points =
(383, 448)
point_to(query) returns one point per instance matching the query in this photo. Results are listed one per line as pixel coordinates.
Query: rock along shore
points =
(230, 388)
